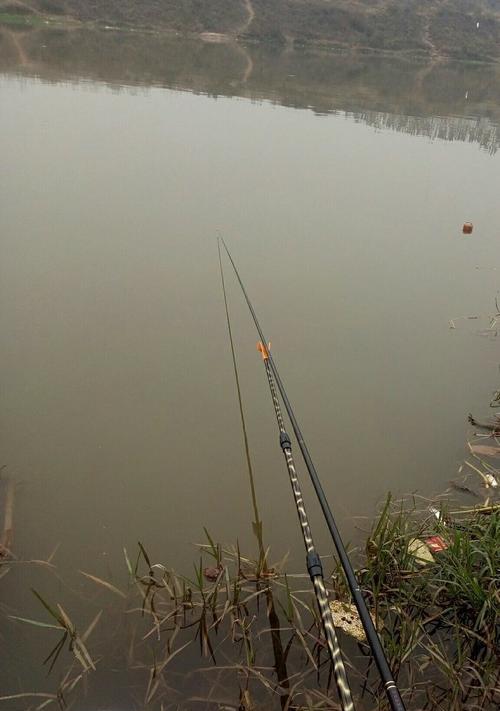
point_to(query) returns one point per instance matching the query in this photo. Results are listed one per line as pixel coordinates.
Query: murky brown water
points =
(341, 188)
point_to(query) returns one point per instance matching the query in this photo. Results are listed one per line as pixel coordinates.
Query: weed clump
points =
(438, 615)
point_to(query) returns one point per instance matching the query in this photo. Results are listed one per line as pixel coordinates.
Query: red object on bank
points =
(467, 228)
(436, 544)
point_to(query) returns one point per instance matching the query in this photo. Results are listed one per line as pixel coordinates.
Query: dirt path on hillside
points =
(427, 39)
(427, 35)
(240, 31)
(248, 69)
(251, 16)
(23, 59)
(434, 54)
(19, 3)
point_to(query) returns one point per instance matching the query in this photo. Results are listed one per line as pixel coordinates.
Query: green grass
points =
(20, 20)
(440, 618)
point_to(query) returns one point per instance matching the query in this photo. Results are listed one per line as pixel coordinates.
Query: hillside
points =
(466, 29)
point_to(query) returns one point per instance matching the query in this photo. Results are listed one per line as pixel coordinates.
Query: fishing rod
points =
(314, 565)
(313, 560)
(390, 688)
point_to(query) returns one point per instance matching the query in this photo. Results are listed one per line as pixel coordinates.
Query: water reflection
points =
(455, 128)
(446, 100)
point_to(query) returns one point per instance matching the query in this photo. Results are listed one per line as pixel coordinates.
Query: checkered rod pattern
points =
(318, 582)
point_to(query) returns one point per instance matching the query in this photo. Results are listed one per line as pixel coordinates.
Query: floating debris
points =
(213, 572)
(492, 425)
(490, 480)
(486, 449)
(495, 401)
(467, 228)
(436, 512)
(463, 488)
(420, 551)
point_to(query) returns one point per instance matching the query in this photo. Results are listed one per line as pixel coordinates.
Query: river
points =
(340, 184)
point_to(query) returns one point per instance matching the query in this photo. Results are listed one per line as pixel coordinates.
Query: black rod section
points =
(391, 690)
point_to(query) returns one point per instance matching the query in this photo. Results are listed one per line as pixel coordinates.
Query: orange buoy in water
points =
(467, 228)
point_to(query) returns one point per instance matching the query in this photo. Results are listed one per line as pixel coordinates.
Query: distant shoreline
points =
(25, 17)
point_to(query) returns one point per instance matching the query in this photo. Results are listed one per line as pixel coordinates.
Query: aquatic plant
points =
(231, 633)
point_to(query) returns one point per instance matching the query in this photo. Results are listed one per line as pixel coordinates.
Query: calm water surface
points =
(343, 209)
